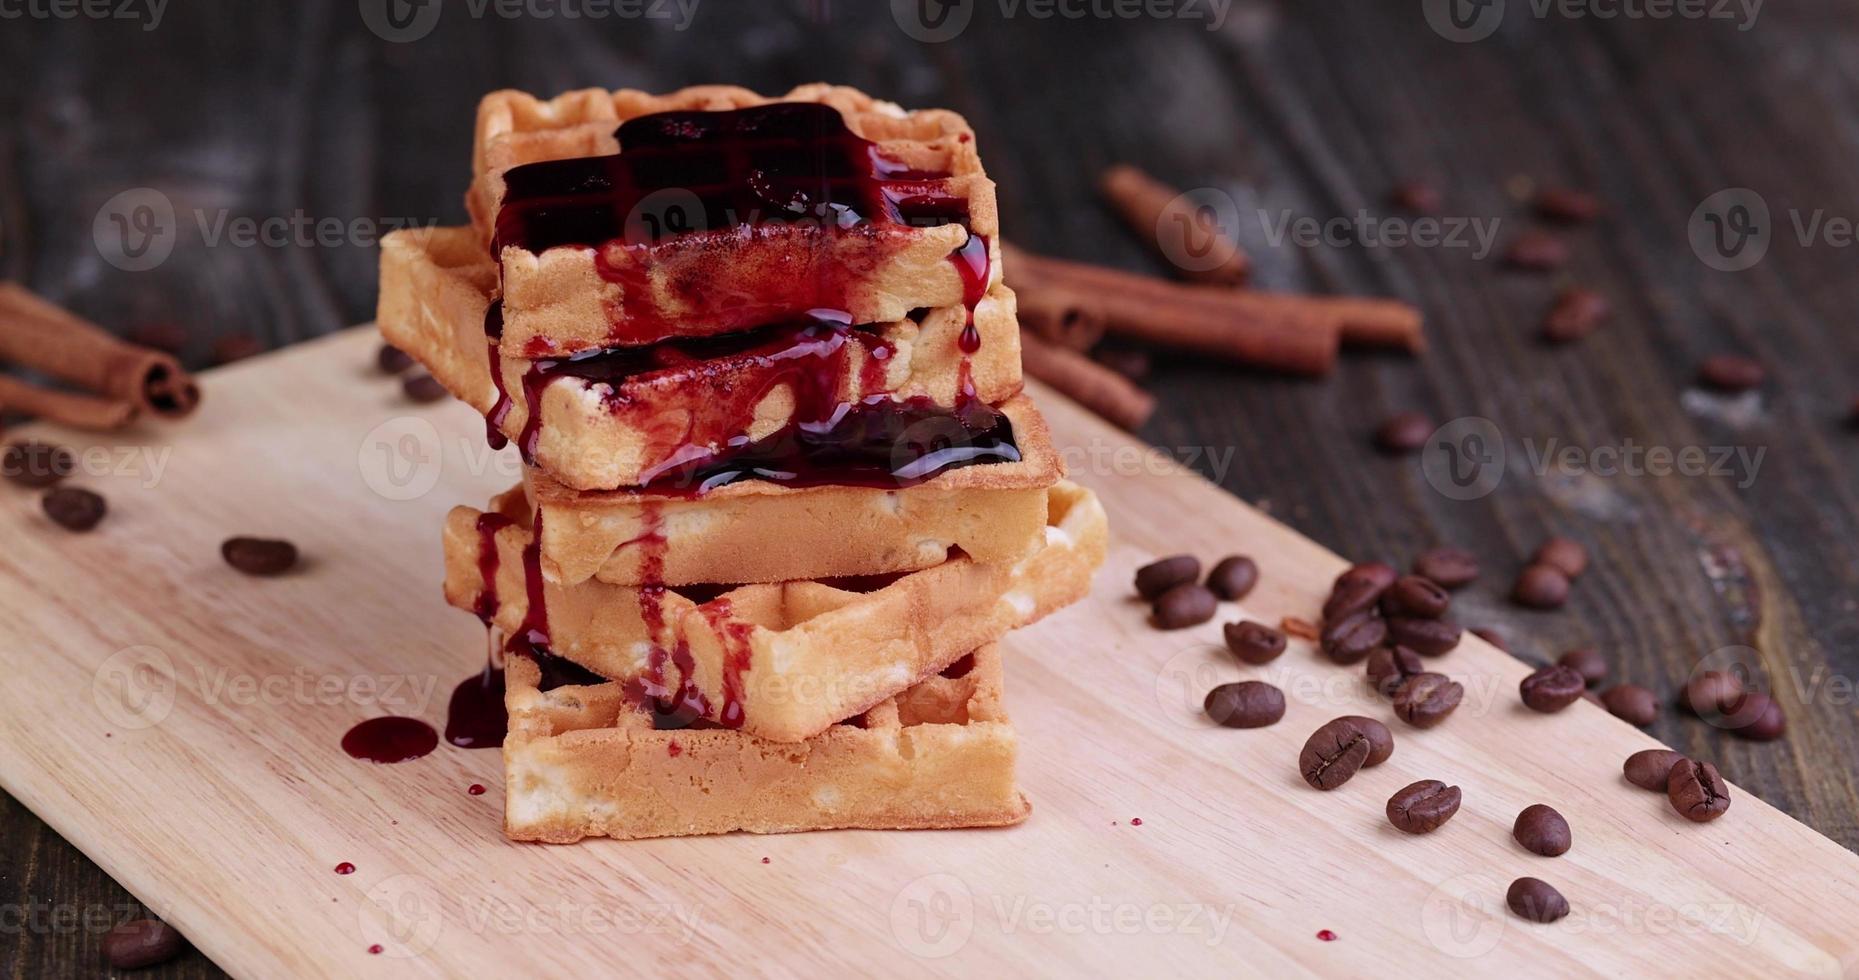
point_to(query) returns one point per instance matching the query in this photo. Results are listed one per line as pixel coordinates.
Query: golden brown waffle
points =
(783, 660)
(758, 531)
(568, 299)
(436, 284)
(586, 762)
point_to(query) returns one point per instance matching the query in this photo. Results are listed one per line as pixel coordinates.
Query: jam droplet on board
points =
(345, 868)
(389, 739)
(475, 789)
(1326, 935)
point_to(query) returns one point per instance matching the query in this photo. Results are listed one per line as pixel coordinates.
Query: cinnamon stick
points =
(1062, 317)
(40, 335)
(65, 408)
(1106, 393)
(1365, 321)
(1175, 227)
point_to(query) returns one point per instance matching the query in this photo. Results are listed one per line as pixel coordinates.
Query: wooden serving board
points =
(180, 723)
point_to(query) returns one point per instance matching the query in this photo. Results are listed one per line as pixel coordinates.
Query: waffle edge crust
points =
(583, 762)
(815, 653)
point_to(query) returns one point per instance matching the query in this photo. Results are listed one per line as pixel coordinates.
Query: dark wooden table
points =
(301, 112)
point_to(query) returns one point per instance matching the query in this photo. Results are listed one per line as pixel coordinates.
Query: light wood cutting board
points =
(180, 723)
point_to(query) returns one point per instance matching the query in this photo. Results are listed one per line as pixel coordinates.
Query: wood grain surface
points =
(181, 726)
(268, 111)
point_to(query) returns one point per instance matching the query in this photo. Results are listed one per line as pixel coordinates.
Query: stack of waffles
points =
(782, 493)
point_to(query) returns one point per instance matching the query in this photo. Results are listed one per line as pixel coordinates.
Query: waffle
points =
(784, 660)
(722, 273)
(586, 762)
(436, 285)
(759, 531)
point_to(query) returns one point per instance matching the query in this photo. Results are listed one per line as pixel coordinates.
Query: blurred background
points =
(212, 176)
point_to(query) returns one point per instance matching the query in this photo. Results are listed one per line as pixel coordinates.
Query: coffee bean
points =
(1697, 792)
(1552, 688)
(1567, 205)
(1566, 555)
(1351, 598)
(1333, 754)
(1632, 704)
(1380, 574)
(1390, 667)
(1450, 568)
(235, 347)
(165, 337)
(1755, 716)
(1588, 662)
(1380, 739)
(422, 388)
(1732, 373)
(1577, 313)
(1352, 639)
(1426, 637)
(1254, 643)
(1413, 595)
(1406, 432)
(1541, 587)
(1536, 250)
(143, 942)
(1233, 578)
(36, 464)
(1185, 605)
(1425, 700)
(1536, 900)
(1541, 830)
(259, 556)
(392, 360)
(74, 509)
(1415, 196)
(1649, 768)
(1159, 576)
(1707, 693)
(1492, 637)
(1423, 807)
(1245, 704)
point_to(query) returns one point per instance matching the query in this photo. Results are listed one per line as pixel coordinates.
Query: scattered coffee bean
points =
(1732, 373)
(1697, 792)
(165, 337)
(1649, 768)
(1390, 667)
(1254, 643)
(1552, 688)
(1406, 432)
(1632, 704)
(1333, 754)
(1450, 568)
(1350, 599)
(143, 942)
(1541, 587)
(422, 388)
(74, 509)
(259, 556)
(1577, 313)
(1426, 637)
(1492, 637)
(1185, 605)
(1233, 578)
(1423, 807)
(1567, 204)
(1380, 739)
(1380, 574)
(1163, 574)
(1755, 716)
(1536, 900)
(1588, 662)
(1303, 629)
(1541, 830)
(1245, 704)
(1352, 639)
(1415, 196)
(36, 464)
(1536, 250)
(1425, 700)
(392, 360)
(235, 347)
(1706, 694)
(1414, 595)
(1566, 555)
